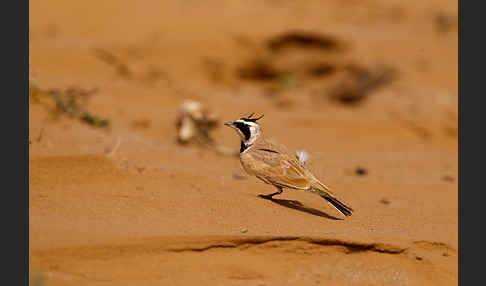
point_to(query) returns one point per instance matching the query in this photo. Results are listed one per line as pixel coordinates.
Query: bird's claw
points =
(267, 197)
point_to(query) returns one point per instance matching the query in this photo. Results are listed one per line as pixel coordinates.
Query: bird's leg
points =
(269, 196)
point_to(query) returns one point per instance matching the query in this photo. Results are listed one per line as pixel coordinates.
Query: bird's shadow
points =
(296, 205)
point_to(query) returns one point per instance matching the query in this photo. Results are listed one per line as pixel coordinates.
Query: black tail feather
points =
(345, 210)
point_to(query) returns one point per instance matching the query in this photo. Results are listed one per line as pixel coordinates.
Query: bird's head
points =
(247, 128)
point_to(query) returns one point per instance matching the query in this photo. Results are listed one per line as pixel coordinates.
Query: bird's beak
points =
(230, 124)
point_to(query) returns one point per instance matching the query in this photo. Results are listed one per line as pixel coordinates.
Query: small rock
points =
(448, 178)
(360, 171)
(444, 23)
(385, 201)
(239, 177)
(194, 123)
(243, 230)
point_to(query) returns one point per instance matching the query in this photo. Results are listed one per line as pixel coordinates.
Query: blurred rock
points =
(194, 123)
(259, 69)
(385, 201)
(358, 82)
(444, 22)
(448, 178)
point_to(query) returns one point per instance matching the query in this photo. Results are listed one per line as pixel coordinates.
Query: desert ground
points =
(367, 88)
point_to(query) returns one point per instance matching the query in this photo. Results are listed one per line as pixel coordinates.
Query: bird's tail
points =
(344, 209)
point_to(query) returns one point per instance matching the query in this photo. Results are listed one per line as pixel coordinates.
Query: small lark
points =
(275, 166)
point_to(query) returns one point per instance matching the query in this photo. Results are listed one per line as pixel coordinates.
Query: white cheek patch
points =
(254, 134)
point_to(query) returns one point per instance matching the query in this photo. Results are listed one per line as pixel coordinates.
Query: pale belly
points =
(248, 164)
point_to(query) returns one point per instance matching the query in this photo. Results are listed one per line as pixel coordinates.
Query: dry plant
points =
(71, 102)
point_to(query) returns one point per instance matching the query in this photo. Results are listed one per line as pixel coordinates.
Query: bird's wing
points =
(280, 169)
(275, 145)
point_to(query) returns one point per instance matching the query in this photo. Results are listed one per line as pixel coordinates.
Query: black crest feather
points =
(251, 119)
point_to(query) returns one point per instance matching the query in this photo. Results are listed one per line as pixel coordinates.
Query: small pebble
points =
(239, 177)
(244, 230)
(448, 178)
(385, 201)
(361, 171)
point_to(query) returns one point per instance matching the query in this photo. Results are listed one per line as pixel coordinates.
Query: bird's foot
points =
(267, 197)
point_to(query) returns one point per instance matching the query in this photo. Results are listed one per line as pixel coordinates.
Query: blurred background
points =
(127, 142)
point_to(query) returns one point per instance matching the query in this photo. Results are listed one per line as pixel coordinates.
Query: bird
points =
(273, 164)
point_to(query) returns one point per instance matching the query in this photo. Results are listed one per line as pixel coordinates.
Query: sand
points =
(128, 205)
